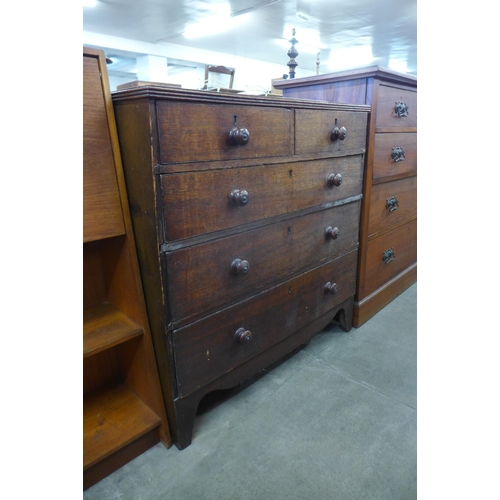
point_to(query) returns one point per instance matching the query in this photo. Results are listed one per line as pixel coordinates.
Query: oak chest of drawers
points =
(388, 231)
(246, 215)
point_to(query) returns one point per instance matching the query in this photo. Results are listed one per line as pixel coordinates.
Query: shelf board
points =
(104, 327)
(112, 419)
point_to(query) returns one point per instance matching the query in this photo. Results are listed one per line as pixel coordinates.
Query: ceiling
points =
(346, 34)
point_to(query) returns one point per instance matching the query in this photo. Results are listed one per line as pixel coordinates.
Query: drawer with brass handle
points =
(389, 254)
(395, 155)
(392, 203)
(396, 108)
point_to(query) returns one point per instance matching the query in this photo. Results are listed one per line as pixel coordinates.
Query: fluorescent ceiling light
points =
(213, 24)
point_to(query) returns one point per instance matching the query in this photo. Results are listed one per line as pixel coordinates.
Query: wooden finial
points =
(292, 54)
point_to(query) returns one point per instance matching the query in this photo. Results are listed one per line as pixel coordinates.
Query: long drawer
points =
(203, 202)
(395, 154)
(391, 203)
(389, 254)
(214, 274)
(194, 132)
(388, 98)
(208, 348)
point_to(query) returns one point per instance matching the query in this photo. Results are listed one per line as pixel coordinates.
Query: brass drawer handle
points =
(332, 233)
(240, 266)
(401, 109)
(331, 288)
(334, 180)
(339, 133)
(243, 336)
(389, 255)
(239, 136)
(392, 204)
(398, 154)
(239, 197)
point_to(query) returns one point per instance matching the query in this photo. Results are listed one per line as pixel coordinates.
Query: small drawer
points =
(202, 202)
(207, 349)
(195, 132)
(395, 154)
(391, 203)
(314, 132)
(390, 254)
(396, 108)
(214, 274)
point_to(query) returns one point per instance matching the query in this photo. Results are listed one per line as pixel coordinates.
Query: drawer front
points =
(203, 278)
(201, 202)
(207, 349)
(403, 242)
(395, 154)
(194, 132)
(392, 203)
(387, 115)
(314, 182)
(313, 132)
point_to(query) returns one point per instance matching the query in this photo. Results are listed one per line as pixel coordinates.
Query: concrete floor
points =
(336, 421)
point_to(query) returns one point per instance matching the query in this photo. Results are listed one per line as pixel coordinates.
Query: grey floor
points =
(336, 421)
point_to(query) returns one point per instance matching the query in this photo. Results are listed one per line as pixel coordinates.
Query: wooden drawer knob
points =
(239, 136)
(240, 266)
(243, 336)
(331, 233)
(339, 133)
(334, 180)
(239, 197)
(331, 288)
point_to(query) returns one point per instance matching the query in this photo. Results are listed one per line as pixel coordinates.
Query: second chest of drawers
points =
(388, 235)
(246, 212)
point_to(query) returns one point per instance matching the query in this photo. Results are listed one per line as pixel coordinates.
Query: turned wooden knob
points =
(334, 180)
(239, 197)
(331, 288)
(339, 133)
(331, 233)
(243, 336)
(239, 136)
(239, 266)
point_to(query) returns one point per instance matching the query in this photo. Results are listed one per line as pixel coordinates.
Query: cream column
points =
(152, 69)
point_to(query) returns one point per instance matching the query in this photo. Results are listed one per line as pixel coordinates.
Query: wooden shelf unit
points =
(123, 407)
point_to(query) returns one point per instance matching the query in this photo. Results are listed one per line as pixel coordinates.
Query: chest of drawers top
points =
(201, 128)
